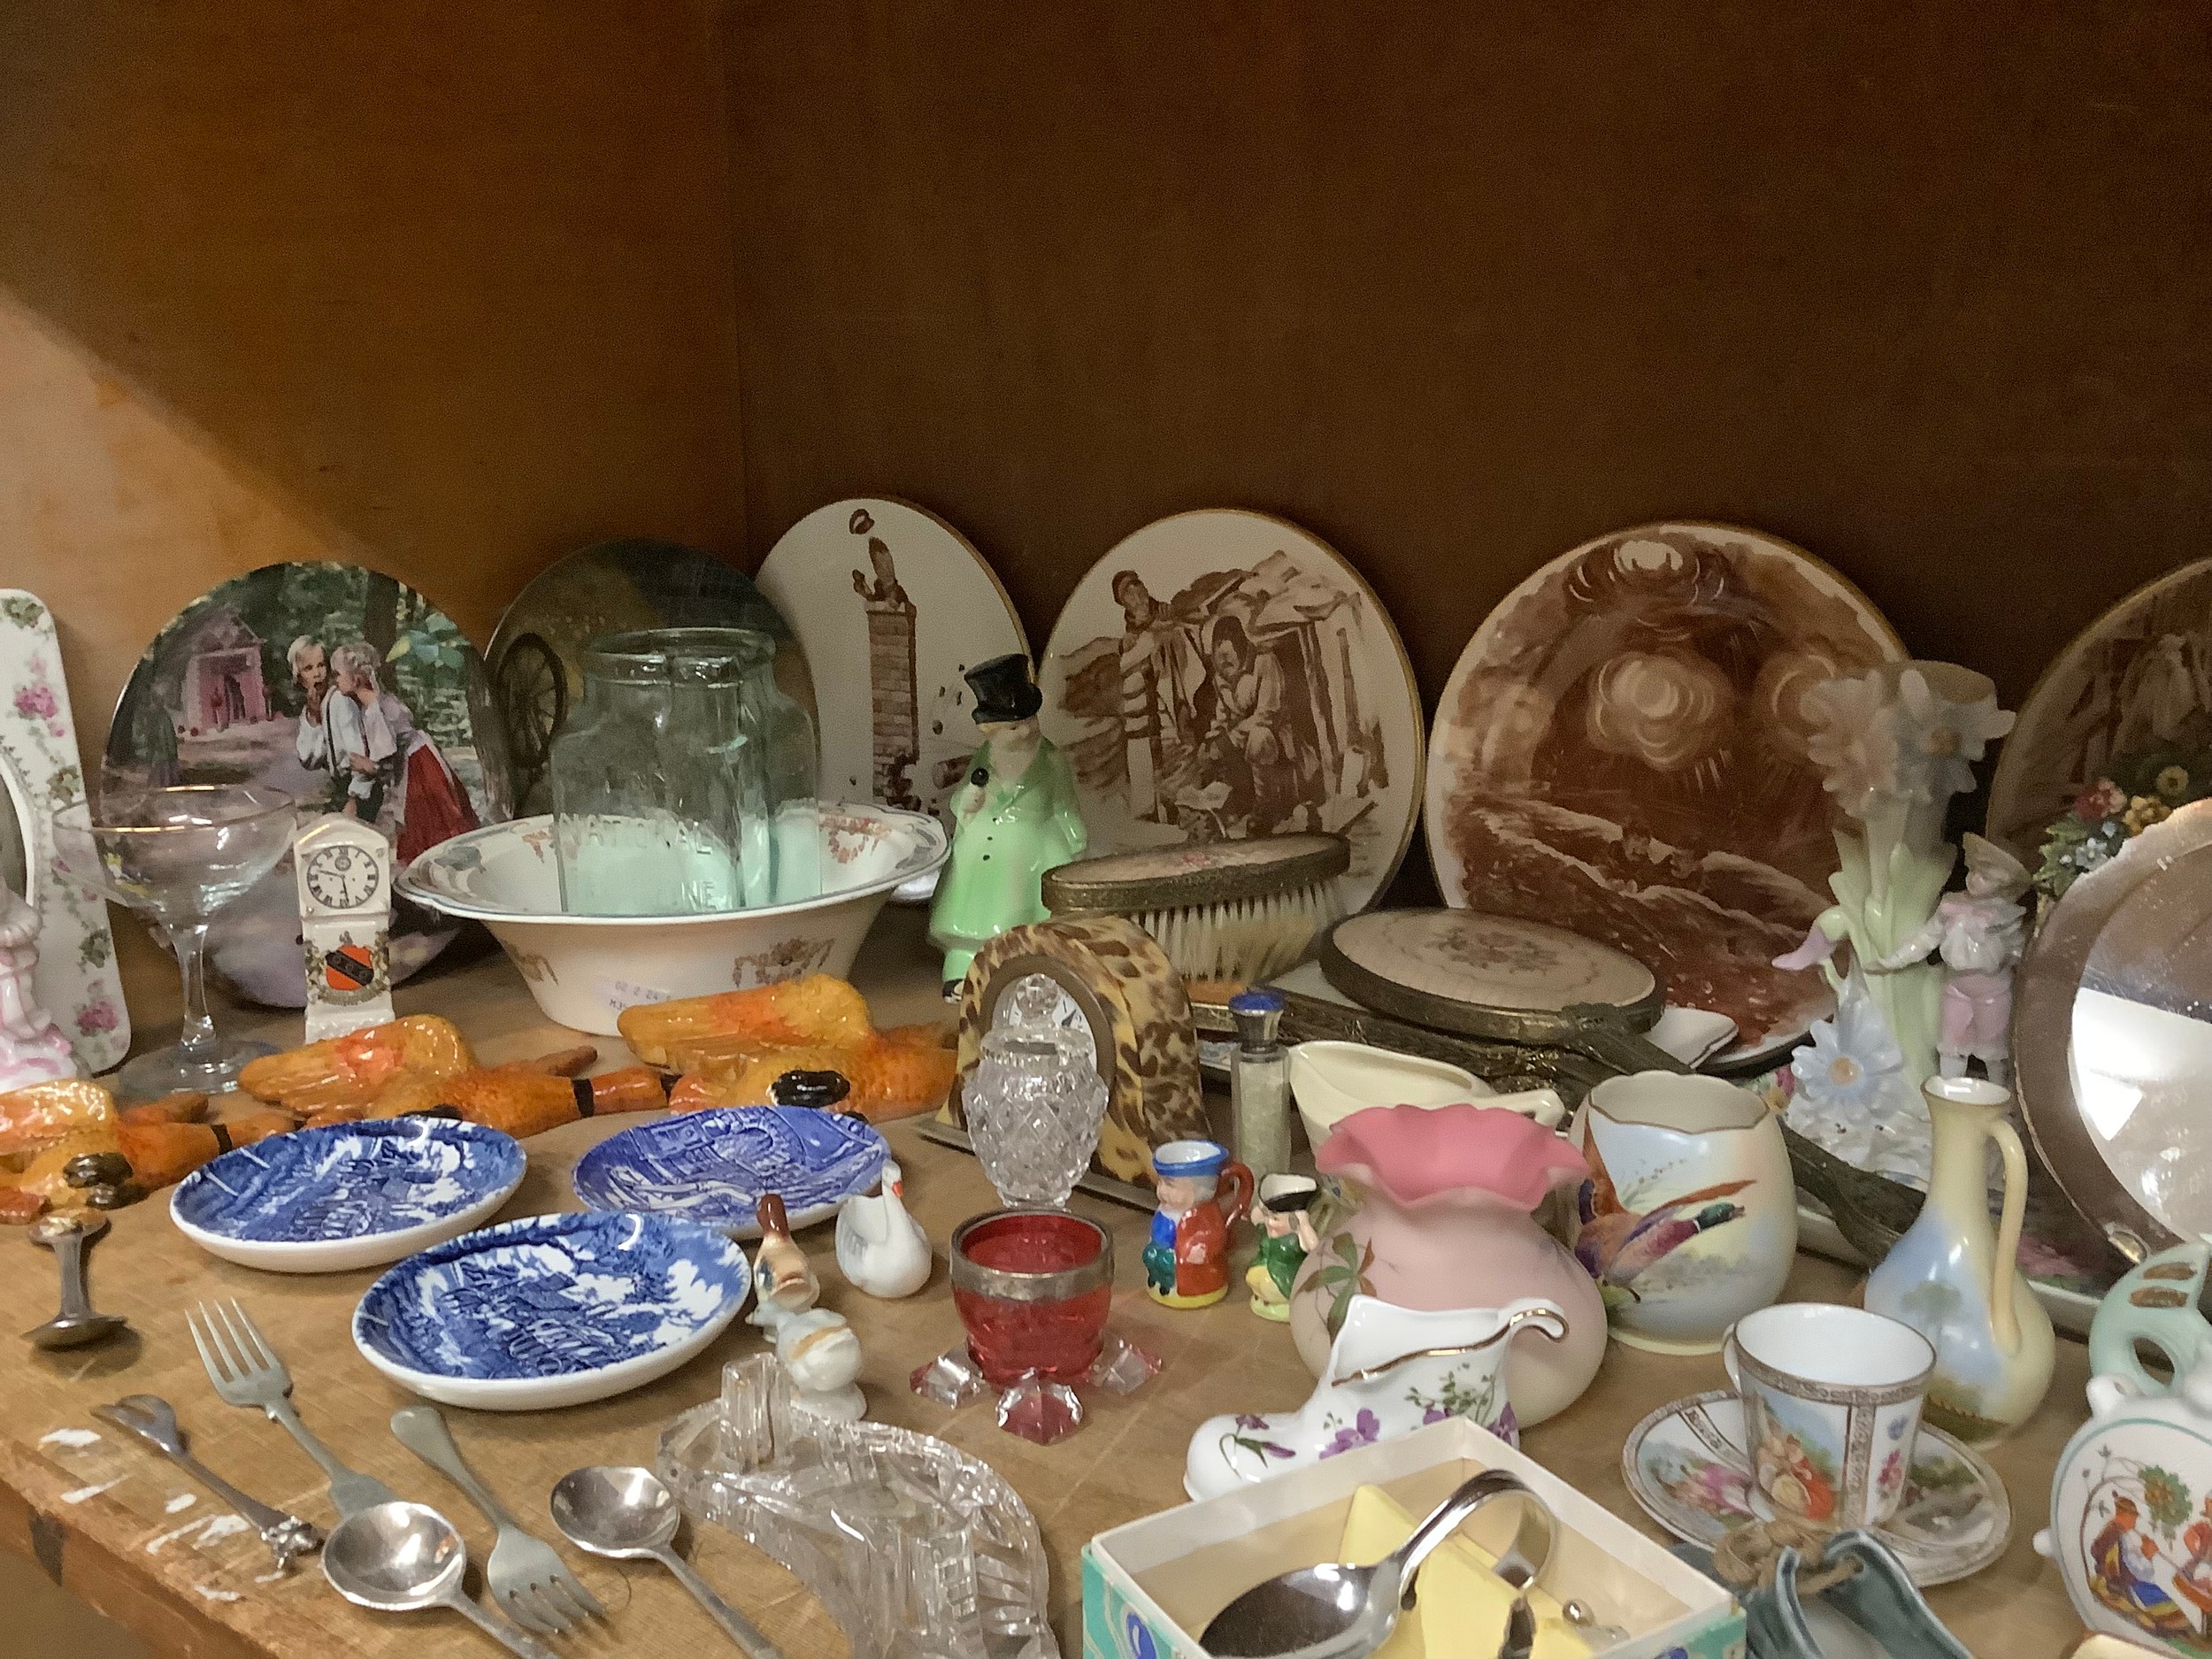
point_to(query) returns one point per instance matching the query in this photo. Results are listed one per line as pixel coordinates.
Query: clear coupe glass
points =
(177, 856)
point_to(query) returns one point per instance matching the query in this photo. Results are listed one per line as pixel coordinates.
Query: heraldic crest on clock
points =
(344, 868)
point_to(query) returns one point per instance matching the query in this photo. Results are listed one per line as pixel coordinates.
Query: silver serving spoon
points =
(1339, 1611)
(77, 1325)
(404, 1557)
(627, 1515)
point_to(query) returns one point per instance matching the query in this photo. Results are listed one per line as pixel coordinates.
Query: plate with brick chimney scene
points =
(892, 606)
(1222, 673)
(1622, 751)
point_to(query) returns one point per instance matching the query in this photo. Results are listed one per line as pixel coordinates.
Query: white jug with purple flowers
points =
(1390, 1370)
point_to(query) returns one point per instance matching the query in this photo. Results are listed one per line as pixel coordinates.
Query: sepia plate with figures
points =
(1687, 1466)
(535, 658)
(892, 606)
(1622, 749)
(2129, 700)
(1221, 674)
(347, 690)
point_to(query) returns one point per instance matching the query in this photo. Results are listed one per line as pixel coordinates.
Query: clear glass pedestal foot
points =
(169, 1071)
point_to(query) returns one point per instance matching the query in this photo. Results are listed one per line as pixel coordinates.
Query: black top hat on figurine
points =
(1004, 690)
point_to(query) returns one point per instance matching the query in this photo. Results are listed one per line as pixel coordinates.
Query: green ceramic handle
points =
(2156, 1303)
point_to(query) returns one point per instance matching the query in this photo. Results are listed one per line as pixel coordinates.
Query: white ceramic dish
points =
(584, 970)
(1331, 1080)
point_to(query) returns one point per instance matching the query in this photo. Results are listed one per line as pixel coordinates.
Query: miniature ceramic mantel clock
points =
(344, 869)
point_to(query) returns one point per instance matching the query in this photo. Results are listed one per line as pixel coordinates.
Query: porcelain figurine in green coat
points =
(1014, 818)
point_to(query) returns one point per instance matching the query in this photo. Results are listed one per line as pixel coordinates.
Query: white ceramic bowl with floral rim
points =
(584, 970)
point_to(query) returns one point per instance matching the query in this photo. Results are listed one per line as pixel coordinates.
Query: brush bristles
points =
(1246, 940)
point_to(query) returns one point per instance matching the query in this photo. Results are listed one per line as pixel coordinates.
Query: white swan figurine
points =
(880, 1248)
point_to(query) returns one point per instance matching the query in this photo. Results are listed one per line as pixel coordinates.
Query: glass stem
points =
(196, 1043)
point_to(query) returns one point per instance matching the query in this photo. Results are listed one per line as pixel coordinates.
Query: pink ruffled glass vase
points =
(1435, 1213)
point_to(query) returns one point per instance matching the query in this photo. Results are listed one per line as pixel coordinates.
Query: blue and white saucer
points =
(551, 1312)
(322, 1201)
(712, 1166)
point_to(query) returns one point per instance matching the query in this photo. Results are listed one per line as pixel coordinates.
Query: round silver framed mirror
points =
(2112, 1038)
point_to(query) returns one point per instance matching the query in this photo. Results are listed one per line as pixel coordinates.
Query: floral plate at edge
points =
(348, 1195)
(1685, 1465)
(711, 1166)
(553, 1311)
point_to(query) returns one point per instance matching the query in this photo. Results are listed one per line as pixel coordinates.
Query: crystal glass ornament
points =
(918, 1550)
(1033, 1104)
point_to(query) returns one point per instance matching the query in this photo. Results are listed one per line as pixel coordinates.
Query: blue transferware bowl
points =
(551, 1312)
(322, 1201)
(712, 1166)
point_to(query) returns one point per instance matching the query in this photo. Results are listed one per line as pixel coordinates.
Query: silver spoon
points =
(404, 1557)
(1339, 1611)
(77, 1325)
(627, 1514)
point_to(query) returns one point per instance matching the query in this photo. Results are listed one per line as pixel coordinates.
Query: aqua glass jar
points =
(660, 802)
(790, 764)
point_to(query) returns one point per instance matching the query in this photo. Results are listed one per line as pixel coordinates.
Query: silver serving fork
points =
(247, 1372)
(153, 1420)
(532, 1584)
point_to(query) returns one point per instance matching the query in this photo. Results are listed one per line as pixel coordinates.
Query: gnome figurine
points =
(1014, 818)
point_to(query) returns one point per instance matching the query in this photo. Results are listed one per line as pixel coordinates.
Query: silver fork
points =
(530, 1582)
(247, 1372)
(154, 1420)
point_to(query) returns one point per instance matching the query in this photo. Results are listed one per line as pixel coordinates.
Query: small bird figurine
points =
(881, 1249)
(816, 1347)
(1616, 1243)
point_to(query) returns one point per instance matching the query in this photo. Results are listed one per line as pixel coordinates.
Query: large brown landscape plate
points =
(1621, 751)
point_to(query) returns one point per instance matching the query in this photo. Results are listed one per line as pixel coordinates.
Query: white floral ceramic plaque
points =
(1622, 750)
(1221, 674)
(40, 773)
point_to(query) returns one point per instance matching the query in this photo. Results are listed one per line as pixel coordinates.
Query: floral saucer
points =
(1685, 1465)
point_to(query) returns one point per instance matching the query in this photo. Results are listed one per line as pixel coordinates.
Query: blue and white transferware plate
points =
(322, 1201)
(713, 1165)
(551, 1312)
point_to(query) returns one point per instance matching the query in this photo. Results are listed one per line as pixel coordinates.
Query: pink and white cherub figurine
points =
(1979, 935)
(33, 1049)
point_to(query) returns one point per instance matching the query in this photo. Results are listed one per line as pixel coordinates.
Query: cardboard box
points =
(1148, 1586)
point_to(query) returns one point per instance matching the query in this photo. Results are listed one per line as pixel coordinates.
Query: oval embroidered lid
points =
(348, 1195)
(551, 1310)
(713, 1167)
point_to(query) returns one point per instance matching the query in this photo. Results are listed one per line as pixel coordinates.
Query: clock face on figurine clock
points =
(342, 878)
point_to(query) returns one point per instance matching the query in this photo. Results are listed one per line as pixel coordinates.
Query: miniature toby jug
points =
(1186, 1256)
(2132, 1513)
(1391, 1370)
(1957, 1281)
(1287, 1236)
(1689, 1218)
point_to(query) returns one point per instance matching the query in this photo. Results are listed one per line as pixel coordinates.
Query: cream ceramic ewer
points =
(1689, 1218)
(1956, 1279)
(1331, 1080)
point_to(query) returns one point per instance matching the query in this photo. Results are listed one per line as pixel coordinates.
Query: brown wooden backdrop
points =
(453, 288)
